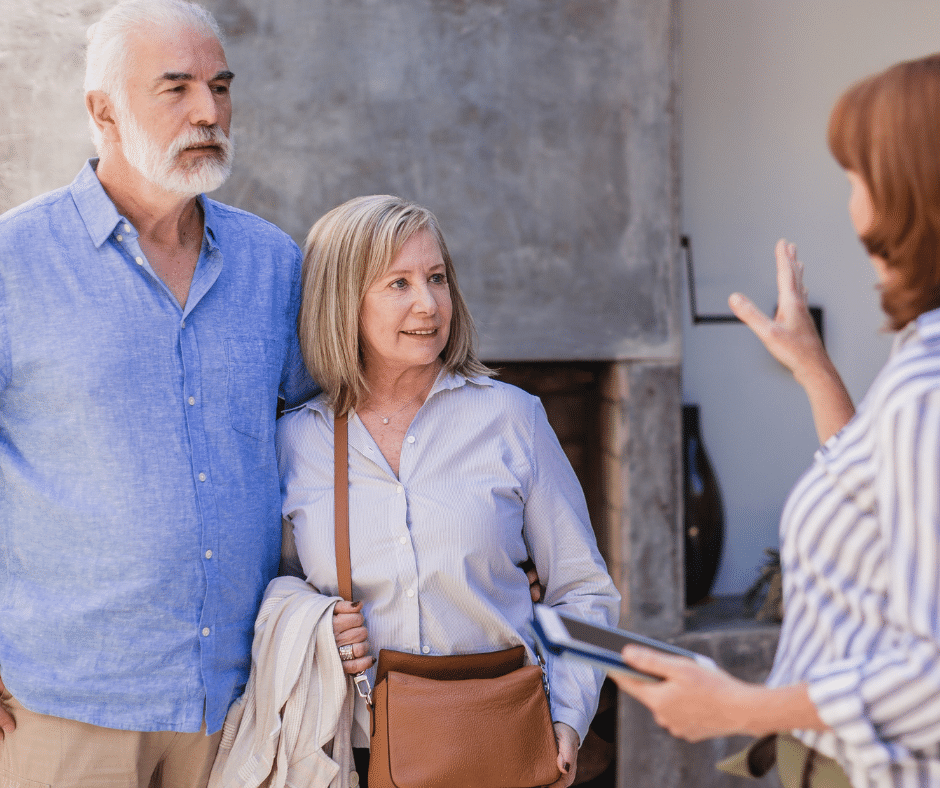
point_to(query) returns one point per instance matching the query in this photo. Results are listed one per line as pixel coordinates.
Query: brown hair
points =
(886, 129)
(346, 251)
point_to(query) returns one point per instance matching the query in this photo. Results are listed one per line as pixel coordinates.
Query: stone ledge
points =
(648, 756)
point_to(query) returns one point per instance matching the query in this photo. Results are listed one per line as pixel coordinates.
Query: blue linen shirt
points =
(139, 494)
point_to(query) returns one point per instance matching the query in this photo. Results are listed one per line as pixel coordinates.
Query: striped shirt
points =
(860, 549)
(435, 552)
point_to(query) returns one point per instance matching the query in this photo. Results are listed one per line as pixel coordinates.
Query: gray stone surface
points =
(642, 436)
(44, 137)
(648, 757)
(541, 134)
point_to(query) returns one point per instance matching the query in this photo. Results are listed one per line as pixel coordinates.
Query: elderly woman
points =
(857, 671)
(454, 478)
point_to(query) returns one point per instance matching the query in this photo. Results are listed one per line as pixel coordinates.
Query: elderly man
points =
(146, 333)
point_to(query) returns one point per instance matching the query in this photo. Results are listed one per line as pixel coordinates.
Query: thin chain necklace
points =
(387, 419)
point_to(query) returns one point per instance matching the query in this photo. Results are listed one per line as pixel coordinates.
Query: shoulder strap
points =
(341, 504)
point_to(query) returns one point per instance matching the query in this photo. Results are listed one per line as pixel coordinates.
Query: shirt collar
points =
(94, 205)
(925, 328)
(101, 216)
(446, 381)
(210, 220)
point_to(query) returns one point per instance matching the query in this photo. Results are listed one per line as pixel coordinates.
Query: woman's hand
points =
(568, 743)
(349, 630)
(7, 724)
(791, 335)
(792, 339)
(693, 702)
(536, 589)
(696, 702)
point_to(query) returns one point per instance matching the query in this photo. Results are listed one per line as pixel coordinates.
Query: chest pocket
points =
(253, 375)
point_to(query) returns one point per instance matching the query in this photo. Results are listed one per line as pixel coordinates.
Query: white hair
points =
(107, 56)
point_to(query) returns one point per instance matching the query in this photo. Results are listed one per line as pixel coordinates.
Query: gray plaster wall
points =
(44, 136)
(541, 133)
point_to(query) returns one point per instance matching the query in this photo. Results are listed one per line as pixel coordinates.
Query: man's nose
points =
(204, 110)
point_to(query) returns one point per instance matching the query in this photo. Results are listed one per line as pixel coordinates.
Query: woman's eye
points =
(439, 279)
(399, 284)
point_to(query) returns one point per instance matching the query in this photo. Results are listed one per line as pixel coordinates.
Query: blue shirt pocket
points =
(254, 366)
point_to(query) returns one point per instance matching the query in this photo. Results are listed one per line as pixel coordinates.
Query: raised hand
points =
(791, 338)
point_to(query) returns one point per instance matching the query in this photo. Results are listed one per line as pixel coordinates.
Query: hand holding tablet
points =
(598, 645)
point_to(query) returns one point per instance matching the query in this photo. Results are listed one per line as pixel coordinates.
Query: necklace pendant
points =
(385, 421)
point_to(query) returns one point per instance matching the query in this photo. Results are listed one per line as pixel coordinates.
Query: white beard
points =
(163, 168)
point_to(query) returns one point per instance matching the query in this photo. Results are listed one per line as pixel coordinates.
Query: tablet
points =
(561, 633)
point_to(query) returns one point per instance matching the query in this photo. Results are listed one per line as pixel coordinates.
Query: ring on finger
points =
(346, 653)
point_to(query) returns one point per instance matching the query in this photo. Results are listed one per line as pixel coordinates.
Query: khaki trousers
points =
(53, 752)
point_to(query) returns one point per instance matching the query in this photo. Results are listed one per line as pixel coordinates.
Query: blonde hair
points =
(346, 251)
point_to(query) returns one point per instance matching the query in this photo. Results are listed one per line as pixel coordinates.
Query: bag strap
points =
(341, 504)
(341, 519)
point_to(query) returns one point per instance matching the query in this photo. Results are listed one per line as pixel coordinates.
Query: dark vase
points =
(704, 515)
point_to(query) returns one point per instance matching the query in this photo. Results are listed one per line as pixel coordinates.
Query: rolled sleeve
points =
(885, 703)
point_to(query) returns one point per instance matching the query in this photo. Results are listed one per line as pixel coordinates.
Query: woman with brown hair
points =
(853, 694)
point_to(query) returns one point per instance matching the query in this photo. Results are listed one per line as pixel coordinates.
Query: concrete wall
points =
(44, 137)
(541, 133)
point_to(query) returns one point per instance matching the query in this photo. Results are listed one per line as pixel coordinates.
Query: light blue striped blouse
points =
(860, 547)
(483, 482)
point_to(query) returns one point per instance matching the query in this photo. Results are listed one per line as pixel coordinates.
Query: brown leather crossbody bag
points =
(479, 720)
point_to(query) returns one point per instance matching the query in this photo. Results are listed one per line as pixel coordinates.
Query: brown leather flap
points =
(451, 667)
(505, 733)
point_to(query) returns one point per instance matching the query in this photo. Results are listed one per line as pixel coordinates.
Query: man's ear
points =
(101, 109)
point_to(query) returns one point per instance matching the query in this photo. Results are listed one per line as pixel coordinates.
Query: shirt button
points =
(127, 228)
(410, 593)
(411, 439)
(399, 489)
(139, 260)
(202, 477)
(353, 780)
(120, 237)
(192, 400)
(205, 632)
(183, 324)
(208, 554)
(425, 649)
(403, 539)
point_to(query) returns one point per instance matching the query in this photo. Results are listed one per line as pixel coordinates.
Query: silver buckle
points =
(544, 667)
(363, 687)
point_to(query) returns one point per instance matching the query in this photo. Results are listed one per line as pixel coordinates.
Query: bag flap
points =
(454, 667)
(495, 732)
